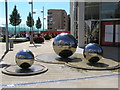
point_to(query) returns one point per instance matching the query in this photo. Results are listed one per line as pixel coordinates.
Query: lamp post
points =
(31, 35)
(6, 32)
(43, 17)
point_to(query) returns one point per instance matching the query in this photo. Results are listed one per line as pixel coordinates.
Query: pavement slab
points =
(58, 75)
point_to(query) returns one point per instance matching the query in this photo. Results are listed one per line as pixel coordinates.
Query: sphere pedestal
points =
(55, 59)
(15, 70)
(78, 61)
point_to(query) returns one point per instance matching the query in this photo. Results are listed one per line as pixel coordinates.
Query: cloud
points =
(35, 14)
(45, 17)
(44, 1)
(34, 10)
(23, 22)
(1, 0)
(2, 21)
(45, 21)
(41, 10)
(29, 0)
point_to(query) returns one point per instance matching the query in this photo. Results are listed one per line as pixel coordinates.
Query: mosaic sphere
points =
(24, 58)
(64, 45)
(93, 52)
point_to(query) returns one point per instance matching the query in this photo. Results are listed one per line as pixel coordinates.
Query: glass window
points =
(49, 24)
(49, 16)
(117, 10)
(102, 10)
(109, 9)
(49, 12)
(92, 10)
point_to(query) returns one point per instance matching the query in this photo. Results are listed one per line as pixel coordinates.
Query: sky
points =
(24, 8)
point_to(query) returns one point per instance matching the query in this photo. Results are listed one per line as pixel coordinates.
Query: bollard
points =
(30, 39)
(11, 43)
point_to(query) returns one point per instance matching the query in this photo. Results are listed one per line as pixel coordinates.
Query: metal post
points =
(6, 32)
(31, 35)
(43, 18)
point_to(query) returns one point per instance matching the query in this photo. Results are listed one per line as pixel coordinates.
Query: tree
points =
(95, 33)
(38, 23)
(30, 21)
(15, 18)
(87, 33)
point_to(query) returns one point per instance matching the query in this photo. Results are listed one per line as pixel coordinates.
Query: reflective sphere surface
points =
(24, 58)
(93, 52)
(64, 45)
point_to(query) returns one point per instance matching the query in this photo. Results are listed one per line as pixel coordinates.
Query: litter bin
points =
(11, 43)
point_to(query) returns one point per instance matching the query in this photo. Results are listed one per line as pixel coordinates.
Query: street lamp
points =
(42, 11)
(31, 36)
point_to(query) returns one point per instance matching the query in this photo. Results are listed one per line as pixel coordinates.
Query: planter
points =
(47, 36)
(38, 39)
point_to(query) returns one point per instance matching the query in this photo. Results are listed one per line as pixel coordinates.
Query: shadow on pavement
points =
(98, 64)
(2, 63)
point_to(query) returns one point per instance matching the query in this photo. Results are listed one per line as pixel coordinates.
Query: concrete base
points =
(78, 61)
(55, 59)
(14, 70)
(111, 53)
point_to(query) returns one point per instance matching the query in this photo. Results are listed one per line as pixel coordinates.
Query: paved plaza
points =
(2, 49)
(58, 75)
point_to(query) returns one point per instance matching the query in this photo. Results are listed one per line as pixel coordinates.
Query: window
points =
(49, 24)
(92, 10)
(103, 10)
(50, 20)
(49, 16)
(109, 10)
(49, 12)
(49, 28)
(110, 33)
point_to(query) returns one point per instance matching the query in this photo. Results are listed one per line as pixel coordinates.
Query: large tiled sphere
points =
(24, 58)
(93, 52)
(64, 45)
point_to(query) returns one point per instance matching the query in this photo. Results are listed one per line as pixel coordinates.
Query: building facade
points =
(91, 14)
(57, 20)
(69, 22)
(97, 22)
